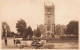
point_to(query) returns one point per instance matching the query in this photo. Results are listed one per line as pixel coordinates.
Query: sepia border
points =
(39, 49)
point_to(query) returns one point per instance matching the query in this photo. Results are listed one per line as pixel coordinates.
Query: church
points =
(49, 19)
(48, 29)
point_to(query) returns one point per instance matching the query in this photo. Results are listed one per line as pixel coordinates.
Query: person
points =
(5, 41)
(17, 42)
(14, 41)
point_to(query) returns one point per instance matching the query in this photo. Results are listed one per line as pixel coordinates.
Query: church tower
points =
(49, 19)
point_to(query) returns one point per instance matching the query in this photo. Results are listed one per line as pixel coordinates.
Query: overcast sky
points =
(32, 11)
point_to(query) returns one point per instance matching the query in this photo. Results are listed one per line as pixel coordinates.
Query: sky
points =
(32, 11)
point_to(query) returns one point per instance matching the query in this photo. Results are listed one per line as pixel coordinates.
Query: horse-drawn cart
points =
(35, 44)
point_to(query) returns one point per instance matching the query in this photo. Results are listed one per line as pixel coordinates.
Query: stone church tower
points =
(49, 19)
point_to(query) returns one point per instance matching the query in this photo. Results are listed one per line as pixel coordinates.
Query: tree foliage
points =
(34, 32)
(12, 34)
(38, 34)
(29, 33)
(5, 29)
(21, 27)
(72, 28)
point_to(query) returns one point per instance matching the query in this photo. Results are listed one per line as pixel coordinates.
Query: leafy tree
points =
(5, 29)
(72, 28)
(12, 34)
(38, 34)
(34, 32)
(21, 27)
(29, 33)
(26, 34)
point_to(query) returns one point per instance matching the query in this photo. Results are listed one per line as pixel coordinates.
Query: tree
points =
(72, 28)
(12, 34)
(21, 27)
(26, 34)
(34, 32)
(5, 29)
(38, 34)
(29, 33)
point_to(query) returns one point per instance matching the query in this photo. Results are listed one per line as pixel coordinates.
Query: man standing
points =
(5, 41)
(5, 31)
(14, 41)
